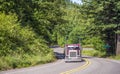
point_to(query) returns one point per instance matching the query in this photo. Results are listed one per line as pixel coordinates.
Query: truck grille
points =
(72, 54)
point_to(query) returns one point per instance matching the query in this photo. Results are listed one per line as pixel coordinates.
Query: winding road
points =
(89, 65)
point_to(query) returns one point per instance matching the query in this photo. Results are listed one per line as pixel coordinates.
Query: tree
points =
(118, 45)
(15, 39)
(106, 18)
(41, 15)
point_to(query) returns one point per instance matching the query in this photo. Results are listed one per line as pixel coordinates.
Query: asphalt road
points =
(90, 65)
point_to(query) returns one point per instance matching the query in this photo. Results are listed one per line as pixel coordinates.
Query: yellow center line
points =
(79, 68)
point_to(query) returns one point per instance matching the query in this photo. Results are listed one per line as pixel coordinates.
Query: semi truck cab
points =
(73, 52)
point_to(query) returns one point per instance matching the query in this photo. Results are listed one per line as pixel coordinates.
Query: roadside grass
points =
(20, 61)
(93, 52)
(88, 46)
(96, 53)
(117, 57)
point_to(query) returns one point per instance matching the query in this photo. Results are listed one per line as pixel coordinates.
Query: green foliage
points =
(54, 22)
(117, 57)
(18, 44)
(106, 19)
(98, 44)
(94, 53)
(24, 60)
(88, 46)
(15, 38)
(41, 15)
(74, 27)
(48, 16)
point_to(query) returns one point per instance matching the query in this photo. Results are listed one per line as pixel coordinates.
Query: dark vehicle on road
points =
(73, 52)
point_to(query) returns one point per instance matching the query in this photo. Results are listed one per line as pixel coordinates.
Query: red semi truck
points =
(73, 52)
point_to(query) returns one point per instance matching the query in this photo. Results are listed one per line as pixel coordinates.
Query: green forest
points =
(29, 27)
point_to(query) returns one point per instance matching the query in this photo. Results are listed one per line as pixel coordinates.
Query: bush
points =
(98, 44)
(19, 61)
(95, 53)
(14, 38)
(20, 46)
(87, 46)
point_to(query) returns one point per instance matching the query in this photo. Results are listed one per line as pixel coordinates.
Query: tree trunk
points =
(118, 45)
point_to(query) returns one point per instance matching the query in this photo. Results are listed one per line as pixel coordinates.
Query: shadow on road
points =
(55, 46)
(59, 55)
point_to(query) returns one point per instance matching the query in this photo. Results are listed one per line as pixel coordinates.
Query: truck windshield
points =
(70, 48)
(73, 48)
(77, 48)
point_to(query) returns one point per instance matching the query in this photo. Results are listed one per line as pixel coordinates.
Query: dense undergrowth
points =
(96, 53)
(20, 46)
